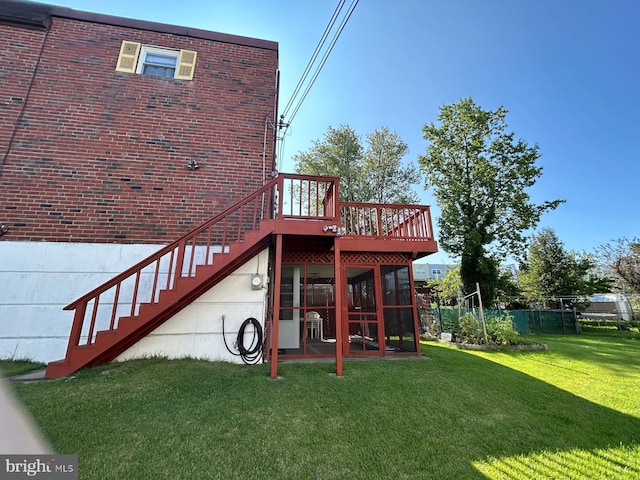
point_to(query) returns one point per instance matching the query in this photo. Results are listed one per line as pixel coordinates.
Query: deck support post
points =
(339, 287)
(276, 307)
(416, 317)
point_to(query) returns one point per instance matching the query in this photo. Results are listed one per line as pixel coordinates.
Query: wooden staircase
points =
(120, 312)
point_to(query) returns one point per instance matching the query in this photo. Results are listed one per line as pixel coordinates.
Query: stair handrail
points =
(167, 248)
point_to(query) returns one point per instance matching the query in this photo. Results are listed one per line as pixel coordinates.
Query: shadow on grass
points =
(453, 416)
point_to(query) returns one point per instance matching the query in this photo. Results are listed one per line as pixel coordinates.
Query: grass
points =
(569, 412)
(9, 368)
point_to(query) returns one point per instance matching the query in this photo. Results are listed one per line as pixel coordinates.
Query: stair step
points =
(57, 369)
(130, 329)
(128, 324)
(168, 296)
(103, 335)
(148, 309)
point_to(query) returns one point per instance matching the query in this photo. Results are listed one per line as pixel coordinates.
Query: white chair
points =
(314, 325)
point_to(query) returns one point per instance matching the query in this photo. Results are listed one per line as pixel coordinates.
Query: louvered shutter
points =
(128, 57)
(186, 65)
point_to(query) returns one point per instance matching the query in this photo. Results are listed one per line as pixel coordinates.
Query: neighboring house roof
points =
(38, 16)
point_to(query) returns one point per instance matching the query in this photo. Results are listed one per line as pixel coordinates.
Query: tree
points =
(550, 271)
(622, 259)
(388, 180)
(508, 291)
(479, 174)
(447, 288)
(339, 155)
(374, 175)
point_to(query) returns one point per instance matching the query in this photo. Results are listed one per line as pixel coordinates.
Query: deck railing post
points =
(114, 307)
(429, 226)
(280, 212)
(338, 301)
(94, 315)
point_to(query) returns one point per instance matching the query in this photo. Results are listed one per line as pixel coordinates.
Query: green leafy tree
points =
(479, 174)
(340, 154)
(388, 180)
(508, 292)
(372, 175)
(550, 271)
(622, 259)
(447, 288)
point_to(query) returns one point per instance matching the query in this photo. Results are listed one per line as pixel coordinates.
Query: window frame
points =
(133, 59)
(166, 52)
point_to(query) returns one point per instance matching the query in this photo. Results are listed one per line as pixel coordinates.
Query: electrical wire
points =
(354, 4)
(328, 51)
(327, 29)
(250, 355)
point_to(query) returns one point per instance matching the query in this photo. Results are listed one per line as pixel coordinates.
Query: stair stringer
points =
(109, 344)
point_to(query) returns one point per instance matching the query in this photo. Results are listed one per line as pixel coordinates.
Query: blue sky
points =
(567, 71)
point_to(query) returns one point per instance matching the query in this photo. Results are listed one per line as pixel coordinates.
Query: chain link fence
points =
(622, 315)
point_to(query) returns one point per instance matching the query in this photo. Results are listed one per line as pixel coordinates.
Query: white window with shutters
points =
(157, 61)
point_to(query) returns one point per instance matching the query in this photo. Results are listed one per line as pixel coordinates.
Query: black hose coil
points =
(250, 355)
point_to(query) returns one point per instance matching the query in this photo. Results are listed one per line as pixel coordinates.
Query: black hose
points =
(252, 354)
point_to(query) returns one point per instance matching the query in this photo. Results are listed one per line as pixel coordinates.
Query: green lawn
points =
(570, 412)
(18, 367)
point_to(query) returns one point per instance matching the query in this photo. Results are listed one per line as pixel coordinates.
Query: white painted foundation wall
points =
(196, 331)
(37, 279)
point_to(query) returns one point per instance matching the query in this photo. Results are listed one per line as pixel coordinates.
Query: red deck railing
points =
(408, 222)
(286, 197)
(306, 197)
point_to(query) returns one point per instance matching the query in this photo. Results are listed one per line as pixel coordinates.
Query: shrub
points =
(469, 329)
(450, 321)
(501, 331)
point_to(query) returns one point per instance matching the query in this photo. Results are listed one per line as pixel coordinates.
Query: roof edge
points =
(65, 12)
(30, 15)
(161, 27)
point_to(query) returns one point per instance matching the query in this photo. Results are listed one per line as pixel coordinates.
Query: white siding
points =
(39, 278)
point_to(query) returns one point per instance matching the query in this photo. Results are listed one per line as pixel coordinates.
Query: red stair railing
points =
(287, 196)
(122, 295)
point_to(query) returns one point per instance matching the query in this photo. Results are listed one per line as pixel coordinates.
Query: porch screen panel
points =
(399, 329)
(290, 311)
(320, 298)
(307, 309)
(399, 325)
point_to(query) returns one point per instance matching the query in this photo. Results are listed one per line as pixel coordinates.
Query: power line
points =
(327, 29)
(354, 3)
(336, 35)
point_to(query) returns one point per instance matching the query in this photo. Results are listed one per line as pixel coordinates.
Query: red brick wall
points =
(101, 155)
